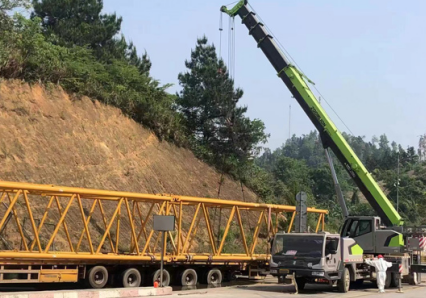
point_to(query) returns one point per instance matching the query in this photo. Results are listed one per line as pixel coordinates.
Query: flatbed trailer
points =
(65, 234)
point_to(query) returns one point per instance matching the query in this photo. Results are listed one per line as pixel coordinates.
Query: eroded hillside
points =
(50, 137)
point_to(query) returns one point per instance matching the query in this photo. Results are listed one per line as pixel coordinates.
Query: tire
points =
(229, 276)
(166, 277)
(394, 280)
(414, 279)
(344, 282)
(388, 280)
(97, 277)
(189, 278)
(214, 277)
(301, 282)
(131, 278)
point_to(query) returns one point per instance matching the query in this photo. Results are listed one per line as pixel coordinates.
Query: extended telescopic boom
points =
(330, 136)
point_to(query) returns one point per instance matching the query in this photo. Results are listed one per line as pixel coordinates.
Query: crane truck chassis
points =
(51, 234)
(336, 258)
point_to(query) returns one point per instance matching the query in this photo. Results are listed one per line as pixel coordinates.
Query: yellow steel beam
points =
(132, 227)
(86, 228)
(291, 222)
(243, 236)
(228, 225)
(188, 235)
(230, 204)
(12, 203)
(256, 232)
(30, 213)
(46, 211)
(86, 221)
(101, 208)
(58, 204)
(209, 229)
(152, 231)
(117, 195)
(18, 224)
(117, 229)
(109, 226)
(58, 224)
(180, 248)
(318, 223)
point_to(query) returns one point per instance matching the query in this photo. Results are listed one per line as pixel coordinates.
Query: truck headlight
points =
(318, 273)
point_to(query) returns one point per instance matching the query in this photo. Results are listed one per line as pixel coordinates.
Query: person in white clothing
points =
(381, 266)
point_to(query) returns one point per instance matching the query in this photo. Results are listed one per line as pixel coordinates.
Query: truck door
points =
(361, 230)
(332, 259)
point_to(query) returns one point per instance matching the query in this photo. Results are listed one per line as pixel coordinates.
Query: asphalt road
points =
(269, 288)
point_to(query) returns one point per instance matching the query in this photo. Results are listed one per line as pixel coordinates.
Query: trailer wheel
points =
(189, 277)
(345, 281)
(214, 277)
(166, 277)
(131, 278)
(229, 276)
(97, 277)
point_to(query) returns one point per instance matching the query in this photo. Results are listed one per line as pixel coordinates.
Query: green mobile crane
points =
(337, 259)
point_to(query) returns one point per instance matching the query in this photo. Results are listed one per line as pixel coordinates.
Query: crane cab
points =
(369, 233)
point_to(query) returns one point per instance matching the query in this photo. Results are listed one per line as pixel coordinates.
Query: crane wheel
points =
(97, 277)
(344, 282)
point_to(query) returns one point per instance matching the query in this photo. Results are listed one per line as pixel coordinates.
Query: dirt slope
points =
(50, 137)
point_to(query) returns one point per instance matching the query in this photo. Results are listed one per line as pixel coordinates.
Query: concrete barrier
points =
(91, 293)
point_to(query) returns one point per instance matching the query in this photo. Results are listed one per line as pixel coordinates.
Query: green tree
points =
(208, 102)
(6, 6)
(77, 22)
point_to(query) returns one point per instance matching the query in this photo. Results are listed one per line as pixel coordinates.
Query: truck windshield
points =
(291, 245)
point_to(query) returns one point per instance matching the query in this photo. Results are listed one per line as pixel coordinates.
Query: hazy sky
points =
(367, 58)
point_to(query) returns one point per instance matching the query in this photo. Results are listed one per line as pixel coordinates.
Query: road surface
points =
(270, 289)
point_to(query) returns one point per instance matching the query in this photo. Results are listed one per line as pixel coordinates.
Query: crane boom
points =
(331, 137)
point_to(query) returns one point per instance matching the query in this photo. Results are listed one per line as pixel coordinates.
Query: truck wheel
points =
(345, 281)
(214, 277)
(394, 280)
(131, 278)
(301, 282)
(413, 279)
(189, 277)
(388, 280)
(97, 277)
(166, 277)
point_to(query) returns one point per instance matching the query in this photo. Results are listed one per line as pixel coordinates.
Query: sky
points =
(367, 58)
